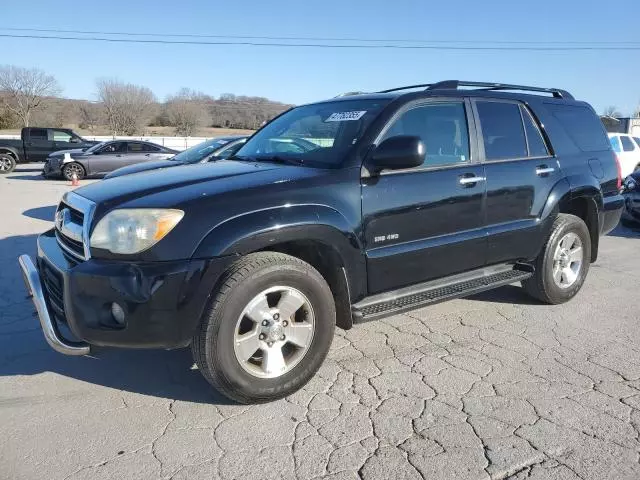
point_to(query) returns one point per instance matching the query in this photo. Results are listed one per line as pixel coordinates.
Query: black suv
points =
(333, 213)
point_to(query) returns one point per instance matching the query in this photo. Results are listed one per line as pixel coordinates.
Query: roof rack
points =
(455, 84)
(406, 88)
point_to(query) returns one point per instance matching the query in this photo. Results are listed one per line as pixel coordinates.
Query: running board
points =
(428, 293)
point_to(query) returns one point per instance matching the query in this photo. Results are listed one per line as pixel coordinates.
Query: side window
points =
(443, 129)
(59, 136)
(637, 140)
(114, 147)
(151, 148)
(627, 144)
(537, 147)
(582, 124)
(615, 144)
(502, 130)
(135, 147)
(38, 134)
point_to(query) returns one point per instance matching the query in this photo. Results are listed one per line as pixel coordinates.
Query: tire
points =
(7, 163)
(258, 283)
(70, 168)
(542, 285)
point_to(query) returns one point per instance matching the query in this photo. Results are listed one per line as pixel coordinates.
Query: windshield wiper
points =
(280, 159)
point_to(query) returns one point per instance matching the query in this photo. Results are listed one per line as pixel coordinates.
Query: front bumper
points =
(631, 212)
(49, 325)
(51, 170)
(162, 301)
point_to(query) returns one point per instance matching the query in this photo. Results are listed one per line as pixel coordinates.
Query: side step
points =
(456, 286)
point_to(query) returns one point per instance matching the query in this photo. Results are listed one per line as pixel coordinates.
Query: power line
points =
(325, 45)
(325, 39)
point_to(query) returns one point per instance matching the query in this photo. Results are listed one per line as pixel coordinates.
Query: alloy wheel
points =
(274, 332)
(567, 260)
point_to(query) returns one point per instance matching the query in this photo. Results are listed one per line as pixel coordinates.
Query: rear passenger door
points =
(520, 174)
(426, 222)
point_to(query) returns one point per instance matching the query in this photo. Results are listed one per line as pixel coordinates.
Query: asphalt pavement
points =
(491, 387)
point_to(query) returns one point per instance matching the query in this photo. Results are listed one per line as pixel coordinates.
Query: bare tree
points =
(26, 90)
(90, 116)
(186, 111)
(127, 107)
(611, 111)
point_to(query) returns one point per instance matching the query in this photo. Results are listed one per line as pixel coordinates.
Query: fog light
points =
(118, 313)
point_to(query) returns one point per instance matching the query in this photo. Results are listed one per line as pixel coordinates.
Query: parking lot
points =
(494, 386)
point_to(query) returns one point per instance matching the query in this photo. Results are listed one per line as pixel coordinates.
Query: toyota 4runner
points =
(334, 213)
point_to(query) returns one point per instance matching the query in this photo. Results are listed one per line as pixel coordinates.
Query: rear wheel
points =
(70, 169)
(7, 163)
(267, 330)
(563, 263)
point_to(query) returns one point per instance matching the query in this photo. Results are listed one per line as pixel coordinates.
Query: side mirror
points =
(395, 153)
(75, 140)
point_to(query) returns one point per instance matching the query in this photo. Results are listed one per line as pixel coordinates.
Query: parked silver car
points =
(103, 158)
(211, 150)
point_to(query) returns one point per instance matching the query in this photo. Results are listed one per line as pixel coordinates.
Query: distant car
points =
(103, 158)
(631, 193)
(36, 143)
(210, 150)
(627, 148)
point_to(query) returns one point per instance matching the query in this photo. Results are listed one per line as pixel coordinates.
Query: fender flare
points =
(264, 228)
(11, 150)
(563, 192)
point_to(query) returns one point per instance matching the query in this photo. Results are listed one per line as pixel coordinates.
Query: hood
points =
(636, 176)
(142, 167)
(172, 186)
(72, 152)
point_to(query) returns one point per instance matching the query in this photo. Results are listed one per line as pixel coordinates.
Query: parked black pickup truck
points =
(410, 196)
(36, 144)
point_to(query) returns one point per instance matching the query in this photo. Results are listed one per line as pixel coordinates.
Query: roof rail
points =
(421, 85)
(455, 84)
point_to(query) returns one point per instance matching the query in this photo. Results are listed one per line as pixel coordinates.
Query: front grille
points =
(69, 245)
(72, 216)
(54, 288)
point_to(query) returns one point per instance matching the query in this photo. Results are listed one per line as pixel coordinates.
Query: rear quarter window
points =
(582, 125)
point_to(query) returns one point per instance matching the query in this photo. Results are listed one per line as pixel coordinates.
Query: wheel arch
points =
(319, 235)
(11, 151)
(584, 202)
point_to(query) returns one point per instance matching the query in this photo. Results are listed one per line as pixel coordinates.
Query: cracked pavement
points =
(496, 386)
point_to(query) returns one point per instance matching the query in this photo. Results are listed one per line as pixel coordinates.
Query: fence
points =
(176, 143)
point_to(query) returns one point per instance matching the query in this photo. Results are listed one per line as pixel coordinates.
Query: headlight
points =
(132, 230)
(630, 184)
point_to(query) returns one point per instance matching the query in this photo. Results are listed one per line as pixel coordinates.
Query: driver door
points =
(426, 222)
(108, 158)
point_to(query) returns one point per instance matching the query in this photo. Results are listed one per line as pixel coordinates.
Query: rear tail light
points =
(619, 183)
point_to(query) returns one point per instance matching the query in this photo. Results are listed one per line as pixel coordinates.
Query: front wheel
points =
(7, 163)
(563, 263)
(71, 169)
(267, 330)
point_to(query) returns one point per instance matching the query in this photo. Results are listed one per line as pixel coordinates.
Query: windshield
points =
(200, 151)
(95, 147)
(317, 135)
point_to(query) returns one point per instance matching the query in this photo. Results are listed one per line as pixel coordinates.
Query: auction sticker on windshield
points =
(345, 116)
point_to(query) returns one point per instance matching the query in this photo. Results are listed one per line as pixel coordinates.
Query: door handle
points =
(471, 180)
(544, 170)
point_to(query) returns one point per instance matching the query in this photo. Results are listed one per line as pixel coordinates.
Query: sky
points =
(299, 75)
